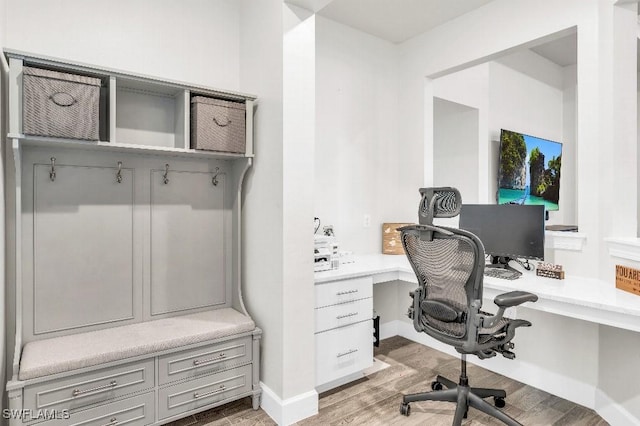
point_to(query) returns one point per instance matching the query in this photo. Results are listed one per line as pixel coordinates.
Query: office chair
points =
(449, 265)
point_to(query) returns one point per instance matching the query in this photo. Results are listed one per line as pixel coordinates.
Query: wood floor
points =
(375, 400)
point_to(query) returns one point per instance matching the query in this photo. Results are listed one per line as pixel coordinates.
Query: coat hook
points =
(214, 180)
(52, 173)
(119, 174)
(166, 174)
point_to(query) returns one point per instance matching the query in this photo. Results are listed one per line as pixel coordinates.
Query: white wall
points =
(359, 155)
(196, 41)
(261, 59)
(619, 348)
(278, 204)
(3, 131)
(523, 104)
(299, 115)
(455, 136)
(605, 128)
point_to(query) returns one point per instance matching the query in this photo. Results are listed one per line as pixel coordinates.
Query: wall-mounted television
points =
(529, 170)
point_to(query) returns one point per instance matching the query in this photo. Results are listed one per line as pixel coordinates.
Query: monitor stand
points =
(501, 262)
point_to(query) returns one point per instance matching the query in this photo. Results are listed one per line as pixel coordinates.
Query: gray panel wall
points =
(98, 253)
(83, 247)
(187, 241)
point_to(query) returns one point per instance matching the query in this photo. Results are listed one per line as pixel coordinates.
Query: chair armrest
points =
(514, 298)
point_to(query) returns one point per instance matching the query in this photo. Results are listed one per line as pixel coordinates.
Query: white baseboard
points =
(549, 381)
(612, 412)
(290, 410)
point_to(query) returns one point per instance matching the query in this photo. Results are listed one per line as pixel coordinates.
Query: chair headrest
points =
(438, 202)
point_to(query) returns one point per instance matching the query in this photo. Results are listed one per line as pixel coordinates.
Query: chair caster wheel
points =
(499, 402)
(405, 409)
(436, 386)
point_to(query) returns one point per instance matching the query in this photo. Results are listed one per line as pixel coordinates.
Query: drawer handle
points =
(113, 422)
(198, 362)
(197, 395)
(112, 384)
(221, 122)
(63, 99)
(350, 351)
(352, 314)
(342, 293)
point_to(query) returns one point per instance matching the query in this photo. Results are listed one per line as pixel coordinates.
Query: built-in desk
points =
(576, 297)
(574, 358)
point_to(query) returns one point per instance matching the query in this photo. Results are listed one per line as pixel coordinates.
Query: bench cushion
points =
(60, 354)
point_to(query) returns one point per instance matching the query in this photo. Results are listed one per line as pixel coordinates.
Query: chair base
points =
(464, 397)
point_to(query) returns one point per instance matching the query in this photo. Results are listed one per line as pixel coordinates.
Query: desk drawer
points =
(343, 351)
(135, 411)
(343, 291)
(204, 360)
(90, 388)
(343, 314)
(203, 391)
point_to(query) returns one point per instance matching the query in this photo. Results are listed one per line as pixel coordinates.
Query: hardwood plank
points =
(375, 399)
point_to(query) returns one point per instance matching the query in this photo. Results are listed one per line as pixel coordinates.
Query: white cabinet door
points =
(82, 247)
(188, 253)
(343, 351)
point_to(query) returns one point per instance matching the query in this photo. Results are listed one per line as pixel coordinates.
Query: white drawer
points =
(204, 360)
(203, 391)
(343, 351)
(135, 411)
(343, 291)
(90, 388)
(343, 314)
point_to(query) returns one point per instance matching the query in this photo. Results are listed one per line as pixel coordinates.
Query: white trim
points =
(291, 409)
(572, 241)
(613, 412)
(533, 375)
(624, 248)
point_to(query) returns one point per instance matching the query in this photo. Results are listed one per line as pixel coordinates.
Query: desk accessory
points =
(550, 270)
(628, 279)
(562, 228)
(391, 240)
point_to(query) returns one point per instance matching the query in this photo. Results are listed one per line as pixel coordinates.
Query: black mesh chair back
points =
(447, 267)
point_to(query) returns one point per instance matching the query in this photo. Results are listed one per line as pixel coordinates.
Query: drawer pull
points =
(103, 388)
(113, 422)
(352, 314)
(350, 351)
(199, 362)
(342, 293)
(197, 395)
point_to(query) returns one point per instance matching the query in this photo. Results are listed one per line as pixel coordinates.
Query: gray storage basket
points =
(218, 125)
(60, 104)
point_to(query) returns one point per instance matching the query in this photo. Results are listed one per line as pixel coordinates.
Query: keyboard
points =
(505, 274)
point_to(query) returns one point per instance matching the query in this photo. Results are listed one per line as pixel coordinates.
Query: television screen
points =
(529, 170)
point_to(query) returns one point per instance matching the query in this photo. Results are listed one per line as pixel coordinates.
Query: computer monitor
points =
(507, 231)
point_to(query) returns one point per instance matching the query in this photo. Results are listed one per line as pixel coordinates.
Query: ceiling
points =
(563, 51)
(399, 20)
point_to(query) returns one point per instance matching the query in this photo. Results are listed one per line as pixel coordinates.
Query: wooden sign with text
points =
(391, 238)
(628, 279)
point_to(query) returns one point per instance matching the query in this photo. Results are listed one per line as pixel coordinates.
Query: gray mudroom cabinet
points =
(125, 257)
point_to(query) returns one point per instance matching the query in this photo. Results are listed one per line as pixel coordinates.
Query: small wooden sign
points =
(550, 270)
(391, 238)
(628, 279)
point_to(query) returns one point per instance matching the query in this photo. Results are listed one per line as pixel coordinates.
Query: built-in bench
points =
(60, 354)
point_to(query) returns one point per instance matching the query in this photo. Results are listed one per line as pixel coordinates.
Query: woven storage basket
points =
(217, 125)
(60, 104)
